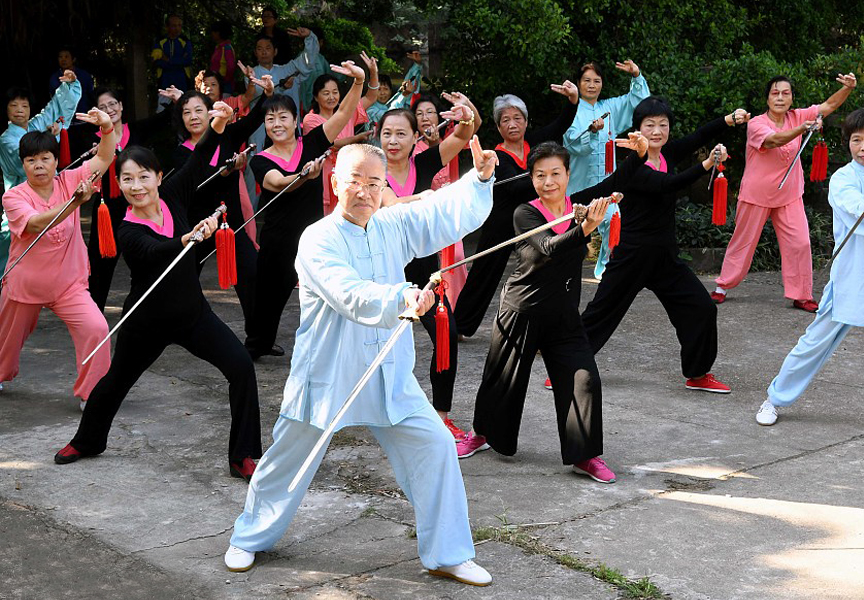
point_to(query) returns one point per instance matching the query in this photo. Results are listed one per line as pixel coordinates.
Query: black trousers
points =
(209, 339)
(274, 283)
(516, 338)
(687, 302)
(418, 272)
(102, 269)
(247, 269)
(484, 275)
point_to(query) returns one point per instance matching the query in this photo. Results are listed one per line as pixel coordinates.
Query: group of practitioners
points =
(363, 203)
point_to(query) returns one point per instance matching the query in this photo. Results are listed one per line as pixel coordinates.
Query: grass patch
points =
(514, 535)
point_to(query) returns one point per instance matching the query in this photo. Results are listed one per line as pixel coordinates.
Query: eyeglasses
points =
(108, 105)
(373, 189)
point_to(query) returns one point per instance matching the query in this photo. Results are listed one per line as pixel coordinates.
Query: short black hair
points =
(269, 8)
(102, 90)
(384, 79)
(278, 102)
(318, 85)
(426, 97)
(652, 106)
(177, 116)
(590, 66)
(18, 93)
(853, 123)
(204, 74)
(68, 48)
(265, 37)
(37, 142)
(396, 112)
(141, 156)
(548, 150)
(170, 16)
(223, 28)
(778, 79)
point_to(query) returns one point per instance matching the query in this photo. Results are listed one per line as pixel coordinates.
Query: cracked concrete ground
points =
(708, 504)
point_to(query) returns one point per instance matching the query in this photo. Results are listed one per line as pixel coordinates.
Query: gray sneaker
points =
(767, 414)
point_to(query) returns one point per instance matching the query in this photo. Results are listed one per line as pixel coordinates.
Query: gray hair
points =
(349, 153)
(507, 101)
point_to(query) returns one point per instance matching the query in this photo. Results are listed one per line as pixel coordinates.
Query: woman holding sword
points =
(153, 233)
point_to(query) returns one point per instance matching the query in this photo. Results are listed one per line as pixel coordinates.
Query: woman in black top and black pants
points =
(154, 231)
(540, 311)
(191, 121)
(133, 133)
(274, 170)
(511, 118)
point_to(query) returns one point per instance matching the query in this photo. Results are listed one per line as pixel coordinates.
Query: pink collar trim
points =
(663, 166)
(213, 161)
(410, 183)
(547, 214)
(124, 139)
(288, 165)
(167, 228)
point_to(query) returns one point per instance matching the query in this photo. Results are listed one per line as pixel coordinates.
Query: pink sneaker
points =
(548, 384)
(470, 444)
(707, 383)
(596, 469)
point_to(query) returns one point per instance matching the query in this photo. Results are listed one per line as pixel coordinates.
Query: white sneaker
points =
(767, 414)
(238, 560)
(82, 404)
(467, 572)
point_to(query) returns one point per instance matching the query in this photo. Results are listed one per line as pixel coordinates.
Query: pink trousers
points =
(84, 321)
(793, 235)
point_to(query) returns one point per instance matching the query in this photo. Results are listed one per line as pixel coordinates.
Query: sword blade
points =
(514, 178)
(38, 237)
(797, 156)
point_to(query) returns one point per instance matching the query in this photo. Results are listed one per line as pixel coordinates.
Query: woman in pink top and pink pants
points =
(54, 273)
(773, 140)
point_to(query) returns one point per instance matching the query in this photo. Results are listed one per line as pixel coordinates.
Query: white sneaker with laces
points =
(767, 414)
(238, 560)
(467, 572)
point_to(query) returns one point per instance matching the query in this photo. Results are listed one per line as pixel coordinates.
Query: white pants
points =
(423, 456)
(810, 353)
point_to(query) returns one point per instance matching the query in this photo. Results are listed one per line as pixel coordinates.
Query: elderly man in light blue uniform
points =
(586, 138)
(62, 104)
(352, 291)
(842, 303)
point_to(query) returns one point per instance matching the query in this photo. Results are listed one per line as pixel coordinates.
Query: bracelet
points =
(361, 82)
(107, 132)
(375, 87)
(469, 122)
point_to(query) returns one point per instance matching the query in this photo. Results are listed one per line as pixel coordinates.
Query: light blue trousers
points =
(423, 456)
(604, 255)
(807, 357)
(5, 235)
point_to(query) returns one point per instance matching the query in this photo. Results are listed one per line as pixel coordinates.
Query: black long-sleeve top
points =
(548, 269)
(222, 189)
(507, 197)
(177, 300)
(648, 207)
(141, 132)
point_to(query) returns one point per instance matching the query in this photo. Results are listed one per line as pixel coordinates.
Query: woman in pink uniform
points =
(773, 140)
(325, 103)
(54, 273)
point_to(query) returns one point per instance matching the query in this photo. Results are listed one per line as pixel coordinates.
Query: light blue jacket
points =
(846, 196)
(62, 104)
(351, 285)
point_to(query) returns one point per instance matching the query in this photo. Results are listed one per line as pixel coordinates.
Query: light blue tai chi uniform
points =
(842, 303)
(62, 104)
(588, 150)
(397, 100)
(351, 285)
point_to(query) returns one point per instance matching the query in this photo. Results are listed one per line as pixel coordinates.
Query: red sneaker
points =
(707, 383)
(718, 298)
(67, 455)
(458, 434)
(548, 384)
(243, 469)
(808, 305)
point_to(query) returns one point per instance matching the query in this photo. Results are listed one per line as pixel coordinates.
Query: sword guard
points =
(580, 213)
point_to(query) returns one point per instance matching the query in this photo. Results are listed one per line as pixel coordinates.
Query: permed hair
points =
(652, 106)
(506, 101)
(548, 150)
